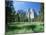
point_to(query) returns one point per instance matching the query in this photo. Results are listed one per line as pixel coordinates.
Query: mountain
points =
(23, 12)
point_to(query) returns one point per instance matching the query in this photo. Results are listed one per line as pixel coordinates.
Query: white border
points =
(32, 0)
(45, 16)
(2, 18)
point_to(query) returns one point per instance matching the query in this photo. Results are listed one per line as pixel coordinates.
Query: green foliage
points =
(27, 26)
(38, 28)
(10, 13)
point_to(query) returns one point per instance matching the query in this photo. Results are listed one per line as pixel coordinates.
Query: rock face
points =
(30, 14)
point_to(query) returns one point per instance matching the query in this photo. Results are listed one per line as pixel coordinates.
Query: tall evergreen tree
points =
(42, 12)
(9, 13)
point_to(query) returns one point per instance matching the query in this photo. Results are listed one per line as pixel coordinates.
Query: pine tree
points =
(10, 13)
(42, 12)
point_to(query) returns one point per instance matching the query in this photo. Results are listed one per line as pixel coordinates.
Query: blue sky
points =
(26, 5)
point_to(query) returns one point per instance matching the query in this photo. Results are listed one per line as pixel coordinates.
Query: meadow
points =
(25, 27)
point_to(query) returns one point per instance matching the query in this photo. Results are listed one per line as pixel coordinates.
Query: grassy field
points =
(25, 27)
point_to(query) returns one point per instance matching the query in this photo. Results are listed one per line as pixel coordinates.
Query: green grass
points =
(25, 27)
